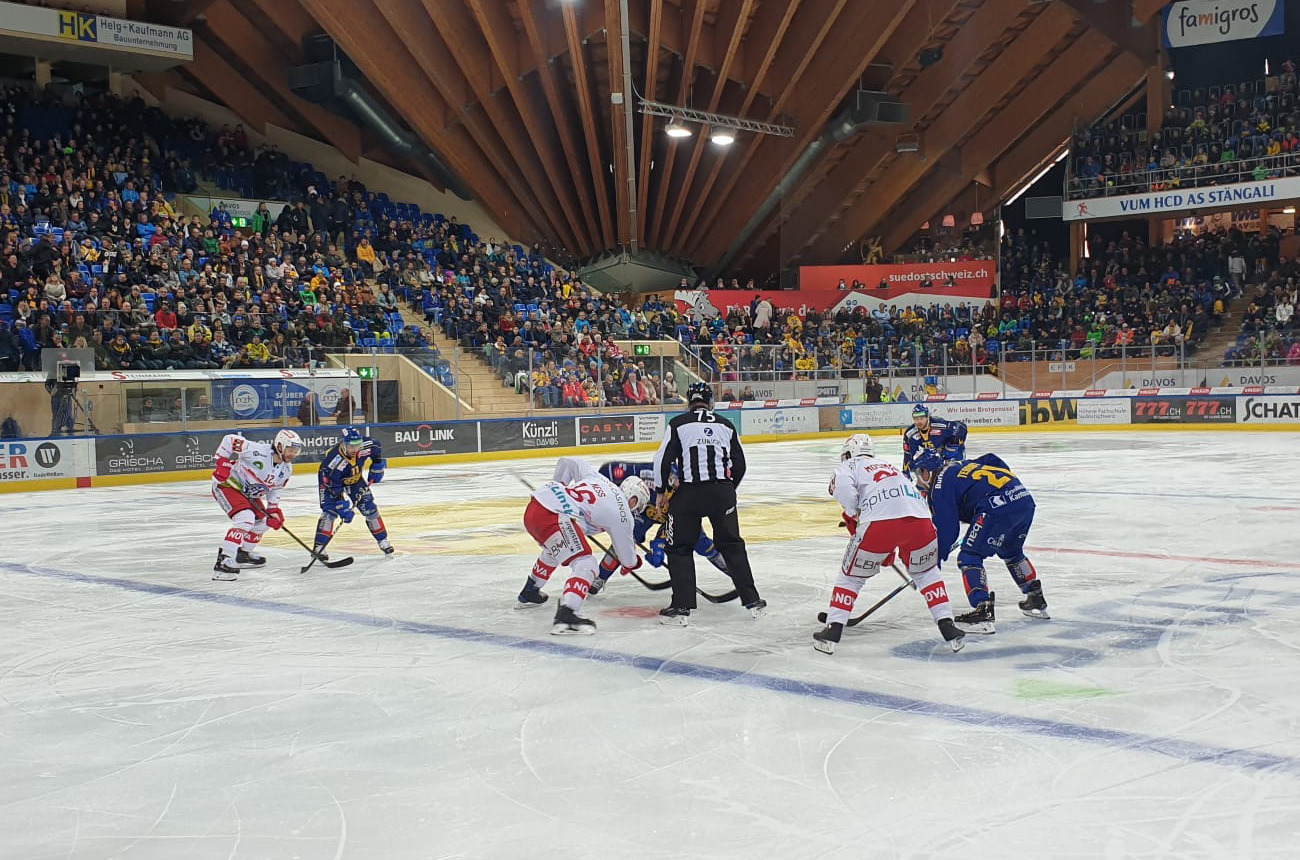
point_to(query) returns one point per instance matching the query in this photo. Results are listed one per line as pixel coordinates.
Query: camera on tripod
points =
(67, 372)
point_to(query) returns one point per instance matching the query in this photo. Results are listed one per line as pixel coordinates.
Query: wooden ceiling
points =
(515, 95)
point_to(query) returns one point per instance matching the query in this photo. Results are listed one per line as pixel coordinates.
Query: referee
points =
(704, 449)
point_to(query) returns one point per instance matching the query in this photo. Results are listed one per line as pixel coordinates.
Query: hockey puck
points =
(821, 617)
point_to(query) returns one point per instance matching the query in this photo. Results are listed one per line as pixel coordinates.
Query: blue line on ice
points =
(1185, 751)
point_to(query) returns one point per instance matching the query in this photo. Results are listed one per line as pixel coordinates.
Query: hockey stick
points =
(854, 622)
(653, 586)
(332, 564)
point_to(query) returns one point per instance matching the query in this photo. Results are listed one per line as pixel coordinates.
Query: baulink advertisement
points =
(1203, 22)
(37, 459)
(418, 440)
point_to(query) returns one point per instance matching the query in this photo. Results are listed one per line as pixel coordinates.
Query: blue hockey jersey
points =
(964, 489)
(340, 472)
(946, 437)
(620, 471)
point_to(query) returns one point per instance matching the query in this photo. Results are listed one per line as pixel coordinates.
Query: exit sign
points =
(640, 349)
(368, 372)
(237, 221)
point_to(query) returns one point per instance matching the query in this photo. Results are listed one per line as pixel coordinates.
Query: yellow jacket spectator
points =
(257, 351)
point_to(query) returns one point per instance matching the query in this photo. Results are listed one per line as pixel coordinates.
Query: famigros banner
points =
(1203, 22)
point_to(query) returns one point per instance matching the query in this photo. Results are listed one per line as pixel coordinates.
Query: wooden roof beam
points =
(696, 14)
(647, 123)
(587, 110)
(494, 20)
(806, 220)
(1035, 141)
(731, 19)
(454, 33)
(389, 66)
(994, 83)
(769, 28)
(252, 46)
(1114, 20)
(819, 81)
(534, 18)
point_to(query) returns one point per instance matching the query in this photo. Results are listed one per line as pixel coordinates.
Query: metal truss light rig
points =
(683, 114)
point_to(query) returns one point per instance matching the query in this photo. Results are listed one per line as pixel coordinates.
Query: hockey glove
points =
(850, 523)
(658, 549)
(339, 507)
(376, 471)
(221, 473)
(275, 518)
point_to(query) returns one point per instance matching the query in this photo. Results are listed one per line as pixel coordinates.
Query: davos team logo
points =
(244, 400)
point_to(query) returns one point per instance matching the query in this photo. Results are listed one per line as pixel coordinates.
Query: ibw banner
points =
(1203, 22)
(1175, 200)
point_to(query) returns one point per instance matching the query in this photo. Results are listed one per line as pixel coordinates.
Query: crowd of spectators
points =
(96, 256)
(1235, 132)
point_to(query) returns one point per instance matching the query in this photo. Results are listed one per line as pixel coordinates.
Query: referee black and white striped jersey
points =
(703, 447)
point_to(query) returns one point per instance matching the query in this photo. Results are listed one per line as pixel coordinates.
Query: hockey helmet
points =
(352, 439)
(925, 466)
(636, 492)
(287, 444)
(699, 392)
(857, 445)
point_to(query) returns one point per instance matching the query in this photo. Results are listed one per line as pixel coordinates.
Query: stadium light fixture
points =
(676, 129)
(723, 136)
(682, 115)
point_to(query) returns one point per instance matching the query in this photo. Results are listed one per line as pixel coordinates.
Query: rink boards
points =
(141, 458)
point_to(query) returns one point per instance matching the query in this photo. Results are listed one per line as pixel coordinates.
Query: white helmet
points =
(637, 493)
(287, 440)
(857, 445)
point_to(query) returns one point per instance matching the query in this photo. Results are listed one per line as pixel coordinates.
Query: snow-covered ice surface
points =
(400, 708)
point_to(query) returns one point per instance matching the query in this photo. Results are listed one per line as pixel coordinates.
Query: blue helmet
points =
(920, 410)
(699, 392)
(931, 462)
(351, 438)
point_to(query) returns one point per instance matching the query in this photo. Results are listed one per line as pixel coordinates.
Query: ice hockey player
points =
(617, 472)
(984, 493)
(946, 437)
(884, 512)
(342, 487)
(577, 502)
(247, 481)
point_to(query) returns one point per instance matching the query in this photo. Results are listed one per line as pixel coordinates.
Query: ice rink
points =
(401, 708)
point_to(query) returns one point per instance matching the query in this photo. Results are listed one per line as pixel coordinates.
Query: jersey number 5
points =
(581, 494)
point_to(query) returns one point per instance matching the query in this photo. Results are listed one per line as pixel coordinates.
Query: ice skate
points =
(531, 596)
(979, 619)
(244, 558)
(386, 546)
(569, 623)
(824, 640)
(757, 609)
(952, 634)
(225, 570)
(1035, 605)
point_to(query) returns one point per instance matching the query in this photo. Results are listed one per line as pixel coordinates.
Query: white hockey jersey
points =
(254, 470)
(871, 489)
(580, 492)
